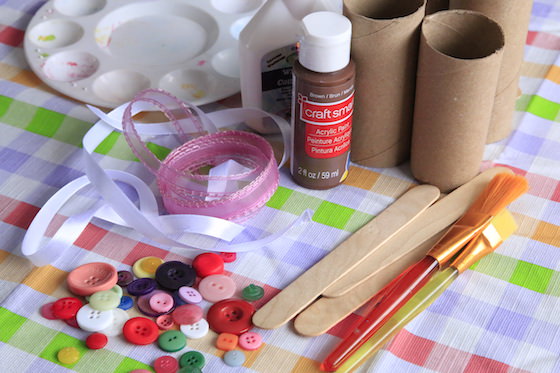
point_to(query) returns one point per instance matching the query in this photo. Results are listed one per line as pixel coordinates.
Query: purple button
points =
(124, 278)
(141, 286)
(190, 295)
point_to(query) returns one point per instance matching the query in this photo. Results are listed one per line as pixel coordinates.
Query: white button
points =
(197, 330)
(120, 316)
(92, 320)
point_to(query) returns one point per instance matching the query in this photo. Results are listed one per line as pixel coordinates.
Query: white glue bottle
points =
(267, 51)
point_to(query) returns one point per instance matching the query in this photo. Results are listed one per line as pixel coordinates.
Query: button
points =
(73, 322)
(172, 341)
(140, 371)
(126, 303)
(226, 341)
(146, 267)
(252, 292)
(197, 330)
(161, 302)
(143, 304)
(117, 290)
(165, 322)
(124, 278)
(208, 264)
(96, 341)
(66, 308)
(228, 257)
(177, 298)
(141, 286)
(215, 288)
(189, 295)
(92, 320)
(91, 277)
(172, 275)
(68, 355)
(166, 364)
(187, 314)
(189, 369)
(47, 312)
(192, 359)
(104, 300)
(120, 317)
(234, 358)
(231, 316)
(250, 341)
(140, 331)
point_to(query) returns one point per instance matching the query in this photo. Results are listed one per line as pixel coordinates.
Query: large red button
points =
(140, 331)
(208, 264)
(66, 308)
(231, 316)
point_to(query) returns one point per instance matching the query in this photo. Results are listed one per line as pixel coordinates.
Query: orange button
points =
(91, 278)
(226, 341)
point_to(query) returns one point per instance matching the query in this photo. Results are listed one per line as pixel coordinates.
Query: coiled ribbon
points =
(243, 176)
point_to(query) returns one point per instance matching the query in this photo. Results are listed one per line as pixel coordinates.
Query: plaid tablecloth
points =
(503, 315)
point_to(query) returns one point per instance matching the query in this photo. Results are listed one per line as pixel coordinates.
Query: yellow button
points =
(68, 355)
(146, 267)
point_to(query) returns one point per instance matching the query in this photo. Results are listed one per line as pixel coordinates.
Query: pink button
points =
(47, 312)
(187, 314)
(250, 341)
(190, 295)
(165, 322)
(161, 302)
(215, 288)
(92, 277)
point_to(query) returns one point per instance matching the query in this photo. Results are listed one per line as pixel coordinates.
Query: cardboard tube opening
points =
(458, 68)
(465, 35)
(384, 9)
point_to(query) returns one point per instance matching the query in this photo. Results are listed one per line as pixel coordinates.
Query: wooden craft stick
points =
(311, 284)
(324, 313)
(436, 218)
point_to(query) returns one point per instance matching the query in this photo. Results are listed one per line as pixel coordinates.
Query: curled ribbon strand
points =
(116, 207)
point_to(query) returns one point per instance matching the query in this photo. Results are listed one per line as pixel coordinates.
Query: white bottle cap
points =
(325, 46)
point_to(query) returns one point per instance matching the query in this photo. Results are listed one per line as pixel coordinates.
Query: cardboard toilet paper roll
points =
(513, 16)
(458, 68)
(384, 48)
(433, 6)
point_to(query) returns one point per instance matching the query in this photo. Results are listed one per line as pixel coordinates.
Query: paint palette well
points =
(103, 52)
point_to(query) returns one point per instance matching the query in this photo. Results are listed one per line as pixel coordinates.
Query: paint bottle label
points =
(322, 128)
(276, 67)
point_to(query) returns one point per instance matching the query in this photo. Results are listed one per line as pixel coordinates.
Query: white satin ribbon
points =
(116, 207)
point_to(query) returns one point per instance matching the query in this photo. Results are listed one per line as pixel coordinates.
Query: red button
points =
(166, 364)
(66, 308)
(96, 341)
(140, 331)
(47, 312)
(231, 316)
(228, 257)
(208, 264)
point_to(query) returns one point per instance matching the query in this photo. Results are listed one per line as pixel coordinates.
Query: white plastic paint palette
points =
(103, 52)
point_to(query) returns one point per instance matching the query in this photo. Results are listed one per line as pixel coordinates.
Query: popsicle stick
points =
(439, 216)
(325, 313)
(311, 284)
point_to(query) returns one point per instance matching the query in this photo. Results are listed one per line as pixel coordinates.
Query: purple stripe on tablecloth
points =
(541, 9)
(526, 143)
(59, 104)
(550, 149)
(545, 335)
(509, 323)
(446, 303)
(11, 160)
(61, 176)
(304, 255)
(8, 88)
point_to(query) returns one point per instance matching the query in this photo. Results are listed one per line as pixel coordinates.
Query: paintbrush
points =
(502, 226)
(501, 191)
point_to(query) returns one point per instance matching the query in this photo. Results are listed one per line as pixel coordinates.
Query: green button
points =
(253, 292)
(192, 359)
(172, 341)
(189, 369)
(104, 300)
(117, 290)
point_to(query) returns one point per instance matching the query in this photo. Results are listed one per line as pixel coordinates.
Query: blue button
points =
(126, 303)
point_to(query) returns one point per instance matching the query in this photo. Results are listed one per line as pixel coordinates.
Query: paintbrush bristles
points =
(502, 190)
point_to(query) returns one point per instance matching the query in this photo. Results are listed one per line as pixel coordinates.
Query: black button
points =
(172, 275)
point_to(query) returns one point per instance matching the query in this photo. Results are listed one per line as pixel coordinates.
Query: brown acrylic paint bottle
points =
(323, 101)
